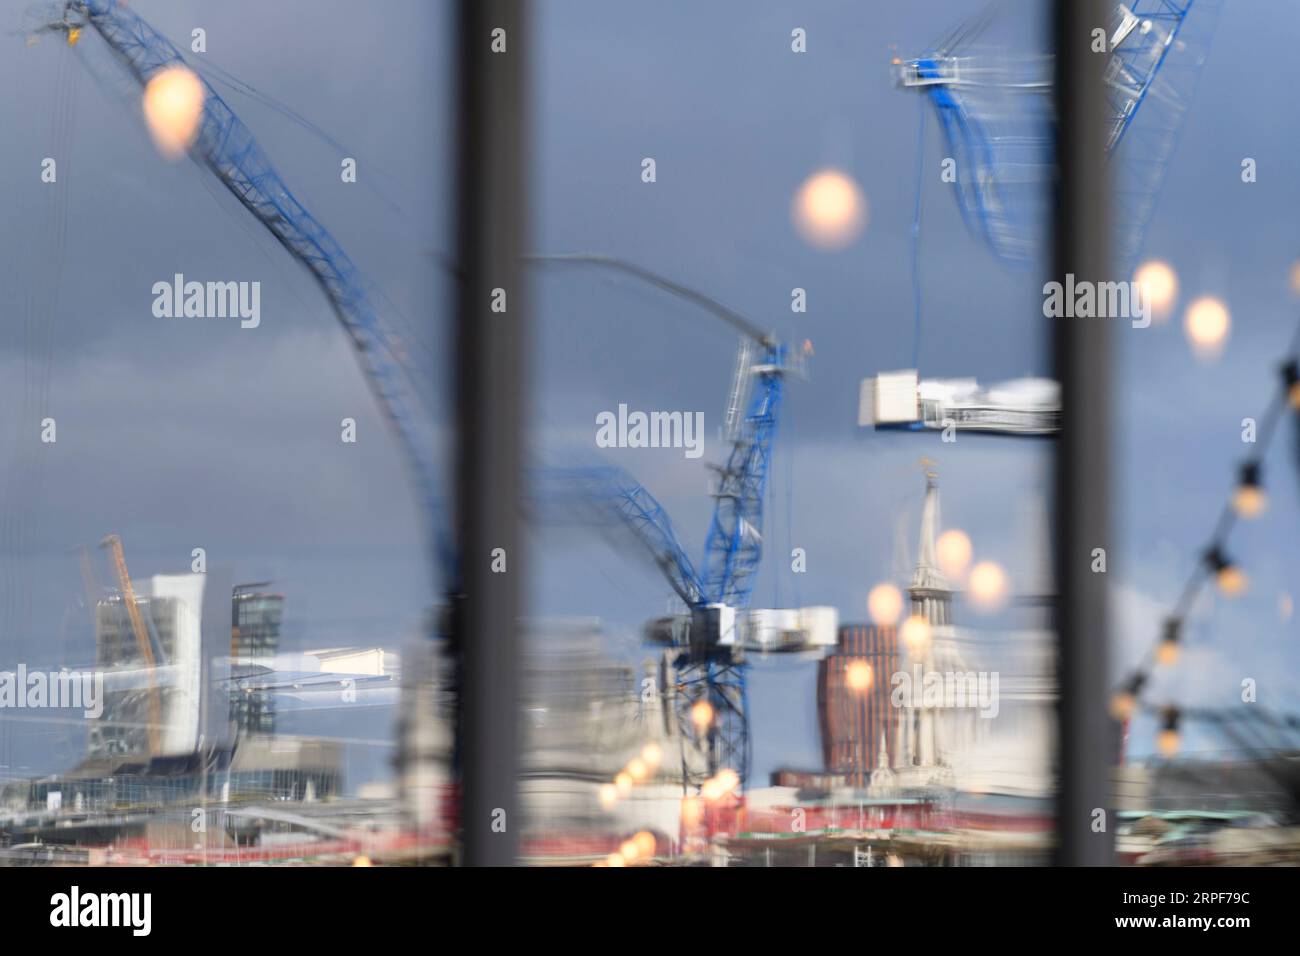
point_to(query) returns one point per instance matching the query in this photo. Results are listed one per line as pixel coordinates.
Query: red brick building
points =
(853, 719)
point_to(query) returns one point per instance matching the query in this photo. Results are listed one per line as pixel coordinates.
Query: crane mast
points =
(735, 541)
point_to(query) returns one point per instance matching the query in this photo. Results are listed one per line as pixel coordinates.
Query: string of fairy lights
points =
(1248, 501)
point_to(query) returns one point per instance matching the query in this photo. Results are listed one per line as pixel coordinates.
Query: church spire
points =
(883, 781)
(930, 592)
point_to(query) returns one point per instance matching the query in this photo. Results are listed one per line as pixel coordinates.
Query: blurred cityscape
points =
(374, 677)
(192, 759)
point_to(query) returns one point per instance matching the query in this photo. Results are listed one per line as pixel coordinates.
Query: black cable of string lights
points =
(1256, 732)
(1247, 501)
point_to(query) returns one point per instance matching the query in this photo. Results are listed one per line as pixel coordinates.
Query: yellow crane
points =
(114, 545)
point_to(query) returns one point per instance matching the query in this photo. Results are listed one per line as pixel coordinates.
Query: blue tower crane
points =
(707, 661)
(997, 121)
(996, 116)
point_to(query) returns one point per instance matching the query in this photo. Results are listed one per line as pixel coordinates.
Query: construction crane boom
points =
(228, 148)
(616, 494)
(113, 544)
(998, 124)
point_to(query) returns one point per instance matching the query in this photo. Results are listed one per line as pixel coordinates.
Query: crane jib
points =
(227, 147)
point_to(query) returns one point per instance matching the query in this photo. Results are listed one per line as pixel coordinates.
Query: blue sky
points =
(180, 435)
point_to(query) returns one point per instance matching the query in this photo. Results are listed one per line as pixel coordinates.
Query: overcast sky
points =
(184, 433)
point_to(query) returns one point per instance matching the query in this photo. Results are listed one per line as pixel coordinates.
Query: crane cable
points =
(916, 239)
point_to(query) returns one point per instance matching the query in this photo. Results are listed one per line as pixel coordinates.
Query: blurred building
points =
(346, 693)
(857, 721)
(172, 608)
(587, 719)
(255, 616)
(426, 713)
(256, 768)
(1267, 781)
(796, 779)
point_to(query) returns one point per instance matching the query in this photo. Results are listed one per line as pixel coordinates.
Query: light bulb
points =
(1207, 324)
(953, 550)
(701, 714)
(1122, 705)
(173, 109)
(652, 754)
(987, 586)
(1249, 499)
(829, 209)
(1159, 285)
(916, 634)
(858, 675)
(885, 604)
